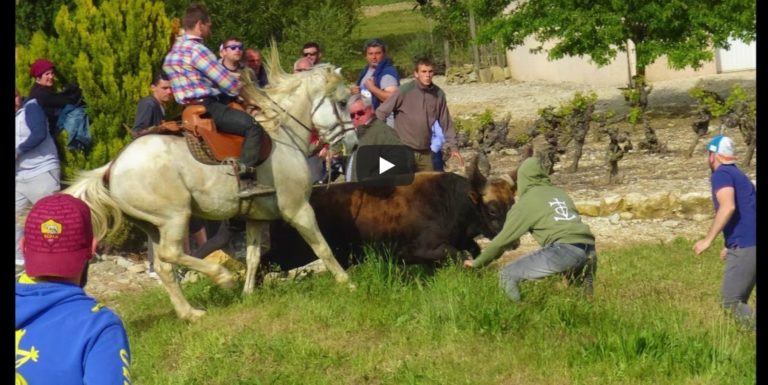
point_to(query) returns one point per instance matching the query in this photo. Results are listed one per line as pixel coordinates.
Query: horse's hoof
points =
(351, 286)
(342, 278)
(225, 279)
(193, 315)
(247, 290)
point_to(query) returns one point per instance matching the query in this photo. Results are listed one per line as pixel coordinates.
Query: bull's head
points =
(494, 196)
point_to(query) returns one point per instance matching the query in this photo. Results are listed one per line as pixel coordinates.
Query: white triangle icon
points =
(384, 165)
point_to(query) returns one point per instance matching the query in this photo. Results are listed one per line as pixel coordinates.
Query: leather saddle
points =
(196, 120)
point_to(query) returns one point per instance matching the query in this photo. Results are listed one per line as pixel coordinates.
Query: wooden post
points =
(446, 51)
(473, 35)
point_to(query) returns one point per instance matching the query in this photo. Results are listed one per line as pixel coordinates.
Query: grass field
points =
(654, 320)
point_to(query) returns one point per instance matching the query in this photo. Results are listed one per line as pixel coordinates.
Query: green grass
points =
(654, 320)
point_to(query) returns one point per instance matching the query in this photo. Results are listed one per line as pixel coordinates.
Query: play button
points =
(384, 165)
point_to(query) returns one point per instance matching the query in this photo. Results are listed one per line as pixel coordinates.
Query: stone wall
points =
(693, 205)
(466, 73)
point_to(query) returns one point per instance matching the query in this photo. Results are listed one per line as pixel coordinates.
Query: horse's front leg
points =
(164, 249)
(170, 252)
(253, 240)
(305, 223)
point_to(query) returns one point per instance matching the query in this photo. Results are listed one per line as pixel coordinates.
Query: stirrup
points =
(253, 189)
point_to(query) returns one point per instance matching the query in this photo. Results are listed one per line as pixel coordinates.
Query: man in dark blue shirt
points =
(735, 201)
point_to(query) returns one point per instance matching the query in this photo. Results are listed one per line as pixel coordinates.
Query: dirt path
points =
(375, 10)
(672, 171)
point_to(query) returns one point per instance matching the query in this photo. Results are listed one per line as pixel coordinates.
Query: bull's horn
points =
(507, 178)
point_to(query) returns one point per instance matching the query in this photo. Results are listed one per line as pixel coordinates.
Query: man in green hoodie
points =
(550, 215)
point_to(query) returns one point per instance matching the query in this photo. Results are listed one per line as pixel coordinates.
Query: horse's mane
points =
(322, 78)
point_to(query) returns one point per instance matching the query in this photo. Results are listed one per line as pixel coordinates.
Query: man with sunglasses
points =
(231, 53)
(198, 78)
(311, 51)
(370, 132)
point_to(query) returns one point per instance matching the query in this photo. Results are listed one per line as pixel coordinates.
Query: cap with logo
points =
(57, 237)
(722, 146)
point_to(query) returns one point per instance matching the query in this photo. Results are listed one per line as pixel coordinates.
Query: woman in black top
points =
(43, 71)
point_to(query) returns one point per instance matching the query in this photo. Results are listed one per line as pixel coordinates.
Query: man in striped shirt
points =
(198, 78)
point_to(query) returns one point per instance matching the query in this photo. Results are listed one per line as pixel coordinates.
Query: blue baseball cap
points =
(722, 146)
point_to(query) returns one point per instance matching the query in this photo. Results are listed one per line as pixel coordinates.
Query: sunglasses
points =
(238, 47)
(310, 53)
(356, 114)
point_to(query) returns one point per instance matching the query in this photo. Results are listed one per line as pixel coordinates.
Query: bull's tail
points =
(90, 188)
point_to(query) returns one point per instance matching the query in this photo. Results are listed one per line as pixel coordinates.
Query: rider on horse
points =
(198, 78)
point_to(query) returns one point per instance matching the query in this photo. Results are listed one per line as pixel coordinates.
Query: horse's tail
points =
(90, 188)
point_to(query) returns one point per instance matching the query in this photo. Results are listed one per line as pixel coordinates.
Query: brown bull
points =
(437, 215)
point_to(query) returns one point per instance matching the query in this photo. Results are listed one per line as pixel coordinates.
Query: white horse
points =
(158, 185)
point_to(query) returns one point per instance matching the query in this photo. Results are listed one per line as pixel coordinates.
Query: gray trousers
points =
(738, 281)
(579, 267)
(28, 192)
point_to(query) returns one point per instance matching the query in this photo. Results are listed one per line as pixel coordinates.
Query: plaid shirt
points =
(195, 73)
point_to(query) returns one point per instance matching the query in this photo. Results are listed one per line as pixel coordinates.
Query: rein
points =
(340, 121)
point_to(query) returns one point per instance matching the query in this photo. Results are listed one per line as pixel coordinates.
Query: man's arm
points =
(205, 62)
(727, 206)
(143, 116)
(388, 106)
(444, 117)
(513, 229)
(383, 94)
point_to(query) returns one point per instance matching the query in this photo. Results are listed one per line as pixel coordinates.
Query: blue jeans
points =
(579, 267)
(437, 160)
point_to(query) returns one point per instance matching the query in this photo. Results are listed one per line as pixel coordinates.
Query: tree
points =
(684, 30)
(452, 17)
(36, 15)
(110, 51)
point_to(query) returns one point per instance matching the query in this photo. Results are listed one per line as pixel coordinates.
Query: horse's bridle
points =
(339, 119)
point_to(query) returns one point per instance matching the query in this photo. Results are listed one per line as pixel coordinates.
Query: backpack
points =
(73, 119)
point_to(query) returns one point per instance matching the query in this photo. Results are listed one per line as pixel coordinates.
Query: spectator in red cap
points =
(63, 336)
(44, 73)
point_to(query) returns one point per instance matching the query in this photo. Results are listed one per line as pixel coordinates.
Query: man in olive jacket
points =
(370, 132)
(550, 215)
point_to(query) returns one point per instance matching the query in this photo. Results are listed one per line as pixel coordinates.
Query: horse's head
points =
(303, 101)
(328, 94)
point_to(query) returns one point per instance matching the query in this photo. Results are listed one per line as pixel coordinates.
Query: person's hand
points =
(456, 154)
(468, 263)
(723, 253)
(701, 245)
(355, 90)
(323, 151)
(369, 83)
